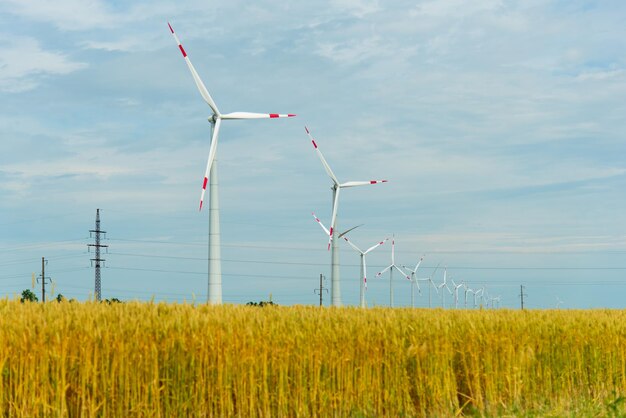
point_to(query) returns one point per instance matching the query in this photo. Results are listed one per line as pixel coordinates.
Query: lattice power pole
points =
(97, 260)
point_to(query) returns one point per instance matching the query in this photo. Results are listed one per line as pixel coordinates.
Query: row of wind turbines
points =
(211, 180)
(480, 296)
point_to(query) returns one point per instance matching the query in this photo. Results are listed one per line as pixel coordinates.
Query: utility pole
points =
(43, 279)
(96, 234)
(522, 294)
(321, 289)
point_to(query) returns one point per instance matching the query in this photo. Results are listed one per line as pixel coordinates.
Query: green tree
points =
(60, 298)
(28, 296)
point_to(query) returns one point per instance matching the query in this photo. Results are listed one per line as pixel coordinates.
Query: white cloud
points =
(65, 14)
(352, 52)
(358, 8)
(23, 62)
(600, 75)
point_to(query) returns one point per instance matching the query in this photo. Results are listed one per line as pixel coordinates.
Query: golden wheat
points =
(166, 360)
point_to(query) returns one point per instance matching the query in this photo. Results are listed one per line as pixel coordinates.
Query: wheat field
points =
(168, 360)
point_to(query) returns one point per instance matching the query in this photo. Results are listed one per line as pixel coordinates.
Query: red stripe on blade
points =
(168, 24)
(314, 144)
(204, 183)
(291, 115)
(183, 51)
(274, 115)
(307, 130)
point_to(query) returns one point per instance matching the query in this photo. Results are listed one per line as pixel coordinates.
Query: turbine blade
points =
(248, 115)
(352, 245)
(209, 163)
(321, 224)
(380, 273)
(334, 217)
(345, 232)
(361, 183)
(376, 246)
(321, 156)
(402, 272)
(434, 286)
(418, 264)
(203, 91)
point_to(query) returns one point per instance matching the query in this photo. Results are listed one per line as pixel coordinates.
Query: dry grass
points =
(143, 359)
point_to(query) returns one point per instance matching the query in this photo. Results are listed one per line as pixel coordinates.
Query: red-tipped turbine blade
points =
(209, 163)
(321, 157)
(201, 87)
(249, 115)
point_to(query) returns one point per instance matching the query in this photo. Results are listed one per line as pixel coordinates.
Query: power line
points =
(525, 251)
(302, 263)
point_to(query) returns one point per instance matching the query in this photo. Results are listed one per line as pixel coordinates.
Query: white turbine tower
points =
(467, 290)
(414, 281)
(215, 265)
(390, 267)
(335, 288)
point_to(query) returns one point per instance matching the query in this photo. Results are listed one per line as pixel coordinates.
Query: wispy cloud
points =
(24, 63)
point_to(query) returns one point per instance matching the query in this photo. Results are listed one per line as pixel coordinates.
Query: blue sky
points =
(499, 125)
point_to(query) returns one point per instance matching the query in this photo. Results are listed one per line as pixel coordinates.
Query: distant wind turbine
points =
(391, 267)
(456, 293)
(442, 285)
(414, 283)
(363, 279)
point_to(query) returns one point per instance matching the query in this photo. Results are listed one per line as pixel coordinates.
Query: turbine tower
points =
(335, 288)
(215, 264)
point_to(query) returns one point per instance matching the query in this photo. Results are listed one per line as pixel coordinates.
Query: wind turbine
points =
(456, 293)
(390, 267)
(215, 265)
(559, 302)
(431, 284)
(467, 290)
(362, 253)
(442, 285)
(335, 288)
(482, 295)
(414, 281)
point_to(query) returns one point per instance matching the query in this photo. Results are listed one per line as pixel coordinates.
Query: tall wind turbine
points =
(215, 264)
(390, 267)
(335, 288)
